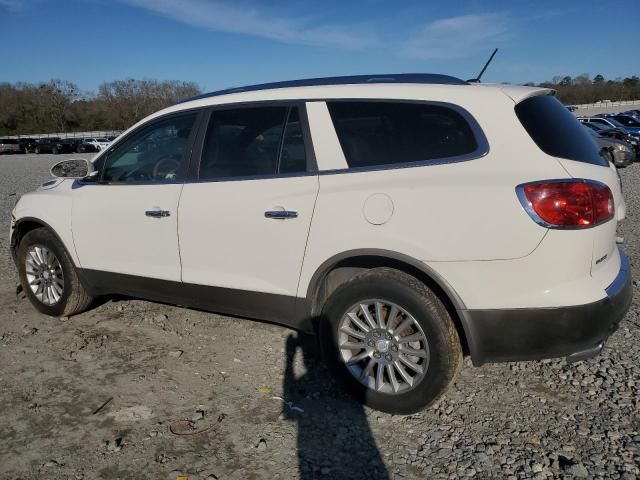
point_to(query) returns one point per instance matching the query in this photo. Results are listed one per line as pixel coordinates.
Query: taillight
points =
(567, 203)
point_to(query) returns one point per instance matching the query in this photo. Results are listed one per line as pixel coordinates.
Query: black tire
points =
(74, 298)
(54, 150)
(445, 352)
(36, 150)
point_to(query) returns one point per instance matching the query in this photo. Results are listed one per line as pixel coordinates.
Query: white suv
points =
(408, 219)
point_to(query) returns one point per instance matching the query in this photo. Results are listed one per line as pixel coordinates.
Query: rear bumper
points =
(575, 332)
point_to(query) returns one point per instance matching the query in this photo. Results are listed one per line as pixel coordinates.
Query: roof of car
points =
(418, 78)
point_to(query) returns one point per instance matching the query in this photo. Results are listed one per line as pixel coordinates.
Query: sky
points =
(229, 43)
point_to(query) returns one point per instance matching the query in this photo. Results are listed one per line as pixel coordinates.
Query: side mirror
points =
(79, 168)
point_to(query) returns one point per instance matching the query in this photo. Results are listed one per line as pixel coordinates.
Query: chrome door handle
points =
(282, 214)
(157, 213)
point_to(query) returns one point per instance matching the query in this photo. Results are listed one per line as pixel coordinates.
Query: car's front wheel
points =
(47, 275)
(391, 340)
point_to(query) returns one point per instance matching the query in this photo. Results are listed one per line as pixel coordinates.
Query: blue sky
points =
(226, 43)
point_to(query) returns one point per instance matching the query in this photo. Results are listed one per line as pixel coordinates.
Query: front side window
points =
(249, 142)
(152, 156)
(387, 133)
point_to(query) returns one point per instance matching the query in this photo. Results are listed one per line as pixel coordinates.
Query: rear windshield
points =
(556, 131)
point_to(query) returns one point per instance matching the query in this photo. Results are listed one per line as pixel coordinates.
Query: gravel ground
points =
(272, 410)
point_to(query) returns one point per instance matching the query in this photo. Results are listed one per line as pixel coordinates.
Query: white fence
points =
(95, 134)
(590, 109)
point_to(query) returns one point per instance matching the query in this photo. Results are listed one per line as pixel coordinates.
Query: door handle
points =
(281, 214)
(157, 213)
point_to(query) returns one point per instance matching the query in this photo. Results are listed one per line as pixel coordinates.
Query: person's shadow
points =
(334, 439)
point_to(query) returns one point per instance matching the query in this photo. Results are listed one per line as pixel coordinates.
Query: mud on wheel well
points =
(346, 269)
(22, 228)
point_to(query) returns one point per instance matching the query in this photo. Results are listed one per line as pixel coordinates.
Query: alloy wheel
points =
(383, 346)
(44, 274)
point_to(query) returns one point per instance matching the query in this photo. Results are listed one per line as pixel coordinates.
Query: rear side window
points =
(556, 131)
(387, 133)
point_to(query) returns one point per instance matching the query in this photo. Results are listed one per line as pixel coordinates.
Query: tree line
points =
(583, 89)
(60, 106)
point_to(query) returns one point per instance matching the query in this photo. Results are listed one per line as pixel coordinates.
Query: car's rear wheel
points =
(390, 340)
(48, 277)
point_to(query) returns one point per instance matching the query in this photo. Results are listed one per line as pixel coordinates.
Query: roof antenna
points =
(477, 79)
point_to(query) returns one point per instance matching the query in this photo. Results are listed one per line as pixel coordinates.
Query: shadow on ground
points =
(334, 438)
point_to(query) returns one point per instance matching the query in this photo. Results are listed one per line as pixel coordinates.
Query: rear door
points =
(244, 219)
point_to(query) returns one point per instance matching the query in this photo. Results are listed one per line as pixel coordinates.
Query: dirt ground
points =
(100, 396)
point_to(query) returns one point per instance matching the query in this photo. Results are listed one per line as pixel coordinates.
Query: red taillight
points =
(569, 204)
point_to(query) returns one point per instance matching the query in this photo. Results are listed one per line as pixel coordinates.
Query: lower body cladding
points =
(493, 335)
(575, 332)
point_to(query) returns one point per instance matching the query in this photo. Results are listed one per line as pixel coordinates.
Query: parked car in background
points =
(630, 122)
(406, 219)
(74, 142)
(615, 134)
(84, 146)
(54, 145)
(9, 145)
(97, 143)
(620, 153)
(611, 123)
(44, 145)
(26, 144)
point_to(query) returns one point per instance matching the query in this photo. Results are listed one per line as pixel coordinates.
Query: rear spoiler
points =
(519, 93)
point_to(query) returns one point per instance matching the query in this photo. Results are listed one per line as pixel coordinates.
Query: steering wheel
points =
(167, 163)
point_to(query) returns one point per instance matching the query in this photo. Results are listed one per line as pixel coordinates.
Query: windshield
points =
(596, 126)
(629, 121)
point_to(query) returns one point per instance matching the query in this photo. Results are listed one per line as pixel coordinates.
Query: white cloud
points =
(457, 37)
(11, 4)
(223, 16)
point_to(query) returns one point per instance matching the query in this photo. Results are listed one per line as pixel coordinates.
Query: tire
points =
(73, 298)
(425, 316)
(36, 150)
(54, 150)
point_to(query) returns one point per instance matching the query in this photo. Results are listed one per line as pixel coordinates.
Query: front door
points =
(125, 220)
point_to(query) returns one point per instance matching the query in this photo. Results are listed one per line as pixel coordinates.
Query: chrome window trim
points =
(192, 176)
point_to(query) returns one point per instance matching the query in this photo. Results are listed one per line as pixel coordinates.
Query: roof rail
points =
(427, 78)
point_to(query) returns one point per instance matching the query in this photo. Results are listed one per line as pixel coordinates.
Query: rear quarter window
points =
(388, 133)
(556, 131)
